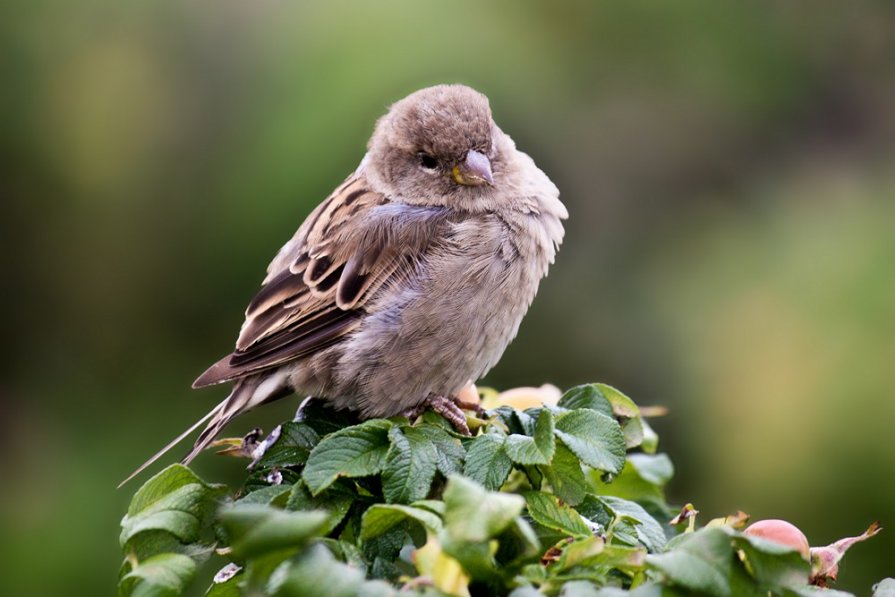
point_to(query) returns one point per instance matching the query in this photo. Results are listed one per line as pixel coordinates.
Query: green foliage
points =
(564, 499)
(356, 451)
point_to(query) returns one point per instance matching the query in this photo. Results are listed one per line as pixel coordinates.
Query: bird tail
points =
(239, 401)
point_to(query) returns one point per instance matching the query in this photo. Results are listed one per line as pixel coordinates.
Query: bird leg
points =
(448, 407)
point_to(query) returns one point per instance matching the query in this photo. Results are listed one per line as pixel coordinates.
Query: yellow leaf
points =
(445, 572)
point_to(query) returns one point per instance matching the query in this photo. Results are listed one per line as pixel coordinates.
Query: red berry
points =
(782, 532)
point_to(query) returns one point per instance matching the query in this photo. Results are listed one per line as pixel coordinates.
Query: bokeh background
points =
(729, 169)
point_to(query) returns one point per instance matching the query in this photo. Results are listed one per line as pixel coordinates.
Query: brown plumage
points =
(409, 280)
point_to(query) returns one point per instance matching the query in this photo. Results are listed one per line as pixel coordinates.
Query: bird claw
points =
(448, 407)
(473, 406)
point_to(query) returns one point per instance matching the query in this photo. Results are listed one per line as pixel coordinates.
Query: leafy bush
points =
(554, 499)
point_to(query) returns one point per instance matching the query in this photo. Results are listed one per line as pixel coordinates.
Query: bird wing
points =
(320, 283)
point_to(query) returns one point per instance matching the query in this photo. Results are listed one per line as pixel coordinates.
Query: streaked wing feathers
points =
(317, 286)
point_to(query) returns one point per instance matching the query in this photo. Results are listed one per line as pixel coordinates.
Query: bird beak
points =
(474, 171)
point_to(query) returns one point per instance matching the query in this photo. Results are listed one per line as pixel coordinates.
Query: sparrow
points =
(408, 281)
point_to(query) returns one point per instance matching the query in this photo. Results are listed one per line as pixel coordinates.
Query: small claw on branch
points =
(449, 408)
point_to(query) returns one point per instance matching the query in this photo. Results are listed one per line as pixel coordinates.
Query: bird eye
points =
(427, 161)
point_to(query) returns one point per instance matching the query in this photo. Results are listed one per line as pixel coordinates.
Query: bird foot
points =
(448, 407)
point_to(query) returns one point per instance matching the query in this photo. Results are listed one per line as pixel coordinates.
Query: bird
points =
(406, 283)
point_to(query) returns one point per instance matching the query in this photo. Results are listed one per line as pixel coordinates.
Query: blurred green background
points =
(729, 169)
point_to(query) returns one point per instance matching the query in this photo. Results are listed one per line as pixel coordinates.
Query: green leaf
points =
(175, 501)
(622, 406)
(641, 480)
(705, 561)
(335, 502)
(356, 451)
(380, 518)
(473, 518)
(292, 447)
(264, 478)
(700, 561)
(595, 438)
(773, 564)
(184, 526)
(586, 396)
(593, 558)
(516, 421)
(265, 495)
(652, 468)
(160, 486)
(650, 441)
(162, 575)
(345, 551)
(473, 514)
(630, 486)
(565, 476)
(255, 529)
(317, 572)
(533, 450)
(409, 466)
(630, 560)
(533, 573)
(626, 412)
(545, 510)
(449, 449)
(487, 462)
(649, 532)
(435, 506)
(519, 542)
(580, 552)
(386, 547)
